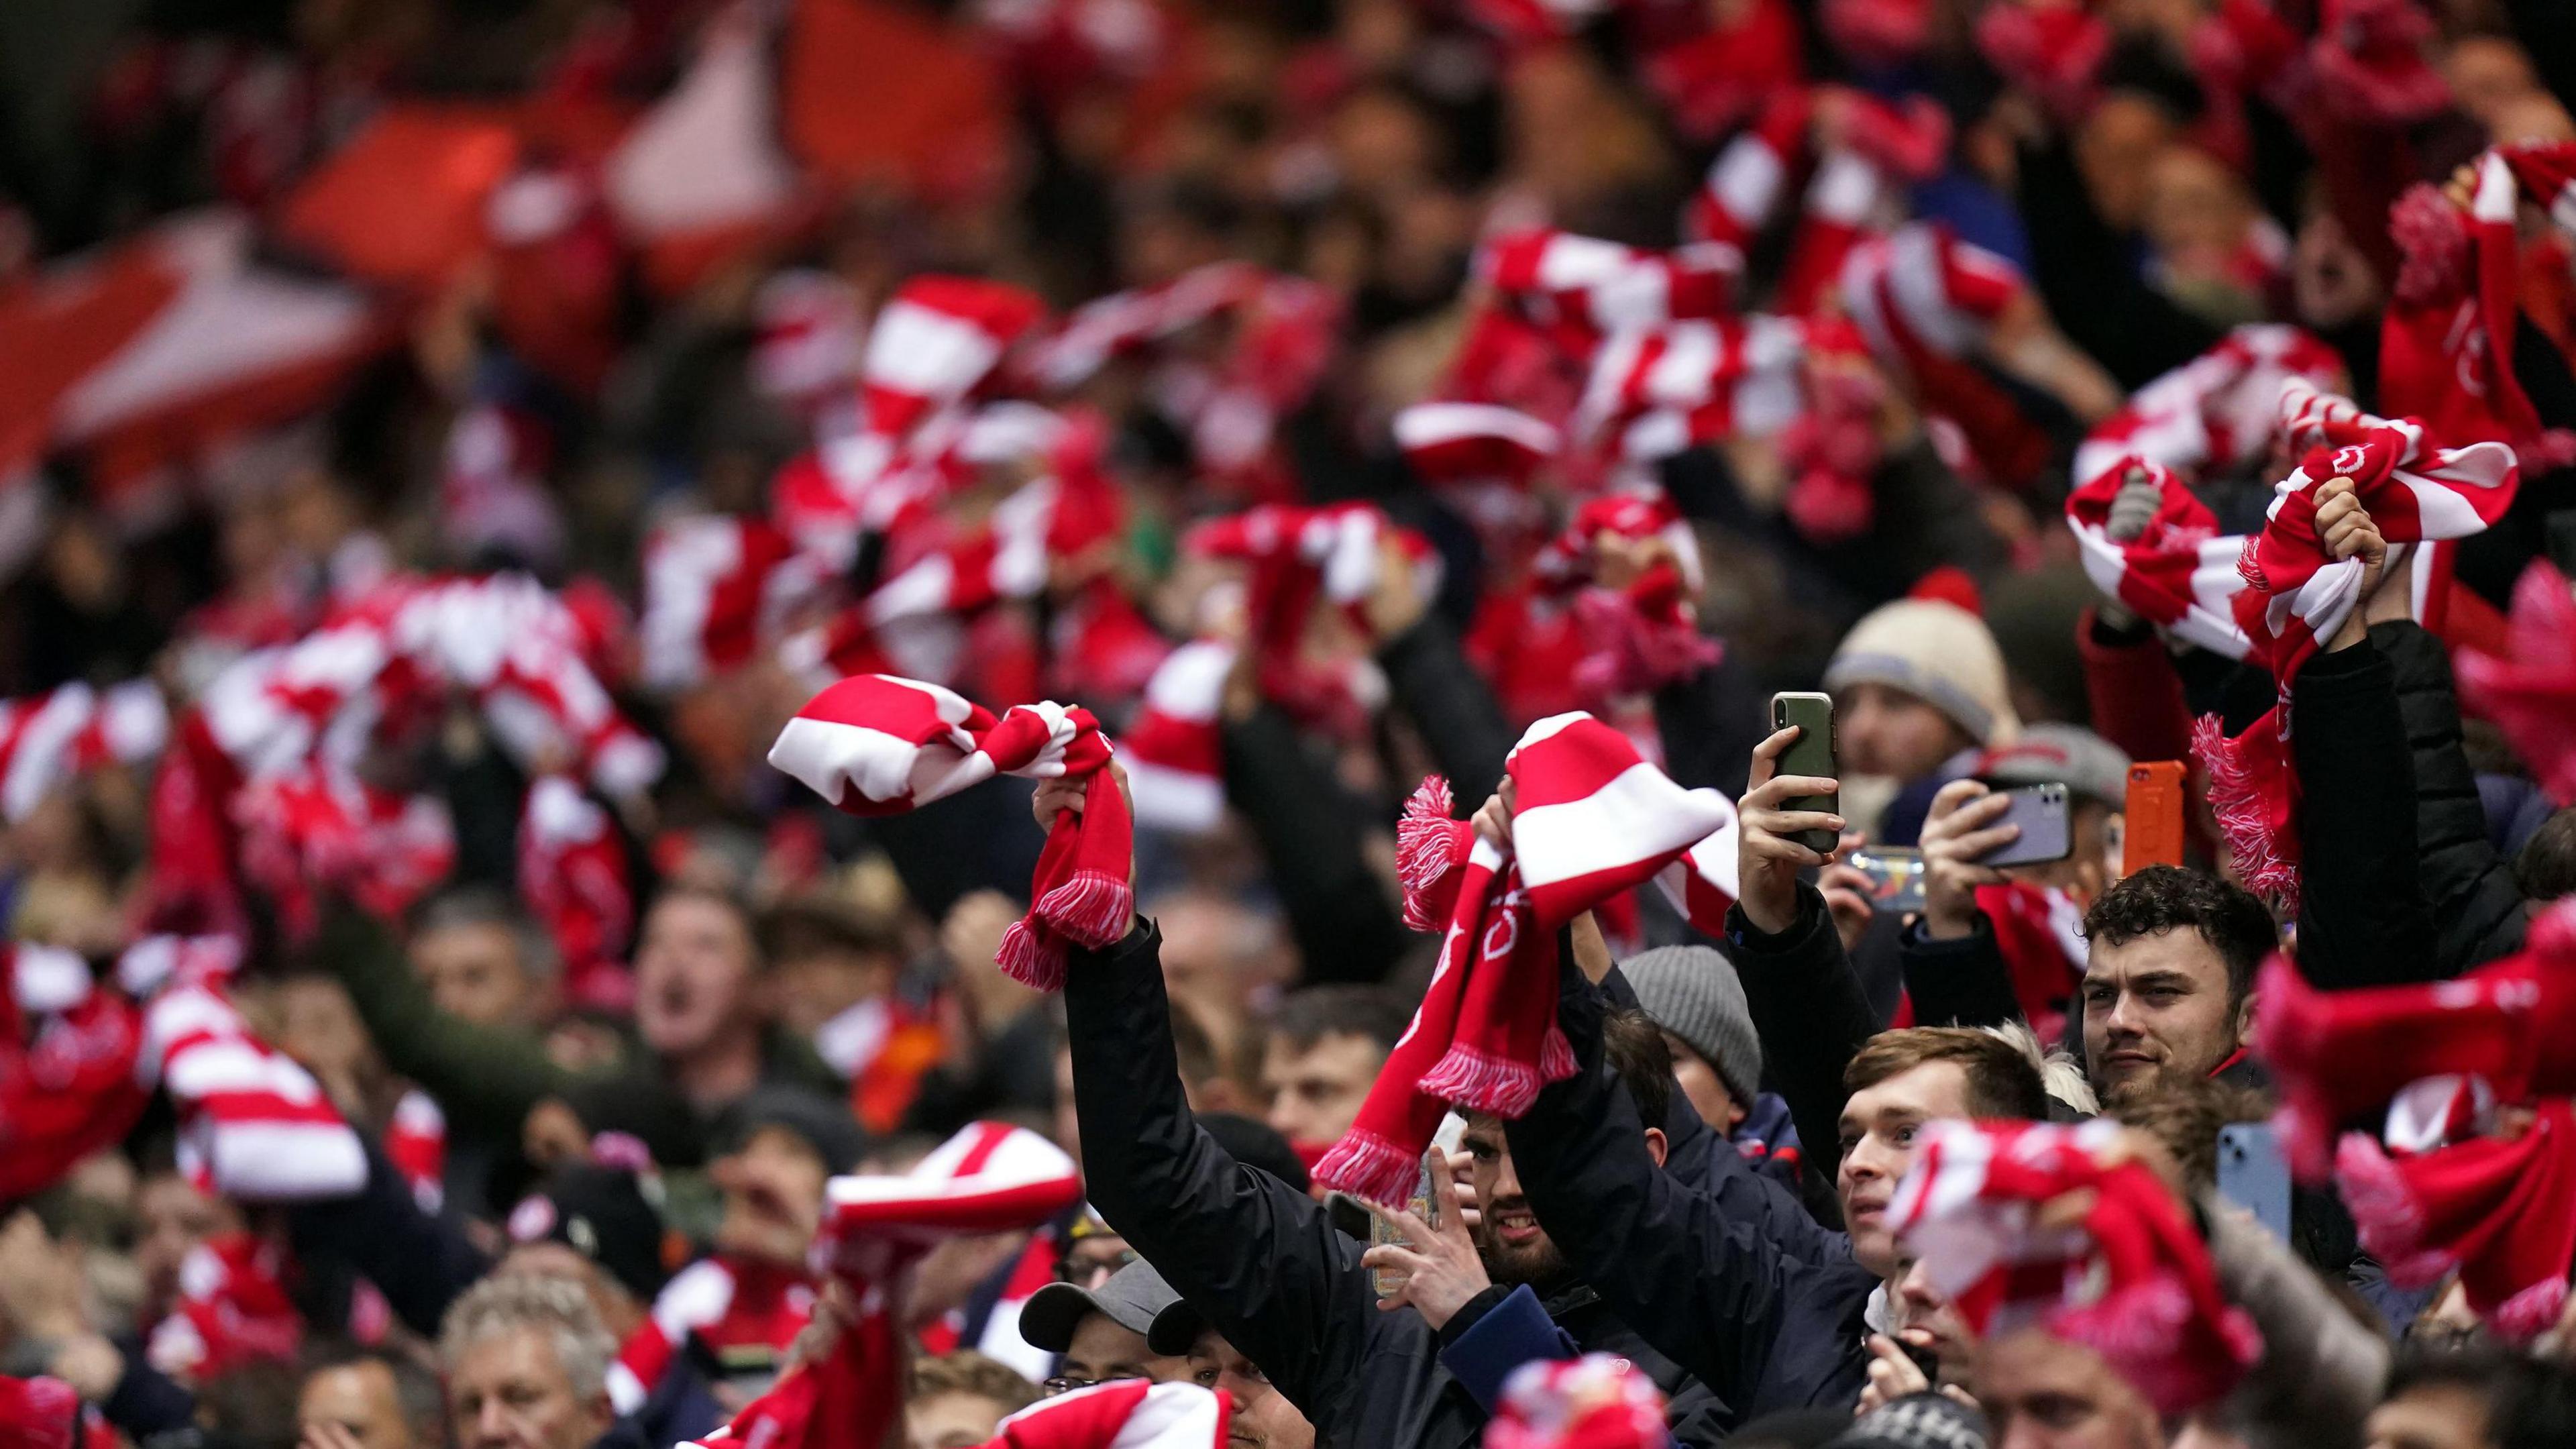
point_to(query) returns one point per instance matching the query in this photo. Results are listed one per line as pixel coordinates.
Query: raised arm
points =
(1311, 832)
(1258, 1258)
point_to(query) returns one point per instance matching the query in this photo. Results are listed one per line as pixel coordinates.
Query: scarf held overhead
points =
(2296, 598)
(878, 745)
(1591, 820)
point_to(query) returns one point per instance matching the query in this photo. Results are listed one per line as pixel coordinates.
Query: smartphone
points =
(2253, 1175)
(2046, 832)
(1812, 753)
(2152, 819)
(1895, 876)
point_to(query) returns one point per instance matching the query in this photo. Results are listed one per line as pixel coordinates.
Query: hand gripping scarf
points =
(2416, 491)
(1592, 1402)
(2216, 411)
(1592, 820)
(2179, 575)
(2440, 1189)
(2530, 692)
(989, 1178)
(2134, 1282)
(1644, 635)
(878, 745)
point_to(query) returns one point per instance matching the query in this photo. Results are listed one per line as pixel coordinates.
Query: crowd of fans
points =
(819, 723)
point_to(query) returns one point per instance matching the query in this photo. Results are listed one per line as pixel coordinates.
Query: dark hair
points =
(2003, 1081)
(1312, 1013)
(2530, 1403)
(1636, 1050)
(416, 1389)
(2165, 898)
(2187, 1116)
(2546, 868)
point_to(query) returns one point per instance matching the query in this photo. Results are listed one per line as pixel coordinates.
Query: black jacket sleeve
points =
(2363, 916)
(1960, 982)
(1450, 703)
(2477, 908)
(1706, 1292)
(1258, 1258)
(2089, 279)
(1810, 1013)
(420, 1261)
(1310, 831)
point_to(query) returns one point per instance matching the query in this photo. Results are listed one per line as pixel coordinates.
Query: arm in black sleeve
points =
(2363, 916)
(1810, 1013)
(420, 1261)
(1259, 1259)
(1706, 1292)
(1710, 723)
(1962, 981)
(2477, 907)
(1310, 831)
(1450, 703)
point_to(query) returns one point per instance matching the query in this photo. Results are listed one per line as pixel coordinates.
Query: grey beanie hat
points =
(1694, 993)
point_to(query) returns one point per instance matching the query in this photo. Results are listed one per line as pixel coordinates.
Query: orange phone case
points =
(2152, 832)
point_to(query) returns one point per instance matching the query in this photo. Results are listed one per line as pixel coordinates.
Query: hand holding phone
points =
(2152, 816)
(1783, 830)
(2042, 814)
(1811, 754)
(1895, 876)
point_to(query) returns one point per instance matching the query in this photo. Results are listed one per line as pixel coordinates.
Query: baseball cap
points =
(1134, 1298)
(602, 1214)
(2087, 764)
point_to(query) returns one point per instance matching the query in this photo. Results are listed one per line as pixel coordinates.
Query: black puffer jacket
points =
(2478, 910)
(1262, 1262)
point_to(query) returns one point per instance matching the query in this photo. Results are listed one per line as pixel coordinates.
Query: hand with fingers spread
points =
(2346, 530)
(1768, 858)
(1440, 1266)
(1960, 830)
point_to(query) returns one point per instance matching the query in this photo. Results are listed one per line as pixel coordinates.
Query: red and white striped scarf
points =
(1126, 1414)
(2215, 412)
(1644, 635)
(2447, 339)
(2441, 1189)
(1592, 820)
(938, 341)
(48, 739)
(2530, 690)
(1884, 145)
(2180, 574)
(1302, 559)
(1593, 1402)
(416, 1144)
(2133, 1282)
(717, 590)
(1925, 302)
(576, 879)
(253, 1124)
(1655, 392)
(67, 1060)
(2416, 491)
(878, 745)
(1174, 747)
(232, 1309)
(1580, 288)
(742, 1313)
(987, 1179)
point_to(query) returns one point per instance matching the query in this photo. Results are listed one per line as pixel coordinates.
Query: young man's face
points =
(361, 1400)
(2043, 1393)
(1316, 1089)
(1102, 1349)
(1879, 730)
(1701, 1086)
(2156, 1009)
(1879, 1127)
(1514, 1247)
(1262, 1418)
(773, 1197)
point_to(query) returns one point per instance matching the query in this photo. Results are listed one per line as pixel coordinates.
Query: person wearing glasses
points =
(1097, 1331)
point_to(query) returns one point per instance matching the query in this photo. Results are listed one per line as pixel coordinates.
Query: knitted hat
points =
(1917, 1421)
(1693, 992)
(1937, 652)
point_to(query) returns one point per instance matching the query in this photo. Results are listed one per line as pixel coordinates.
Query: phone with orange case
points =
(2152, 832)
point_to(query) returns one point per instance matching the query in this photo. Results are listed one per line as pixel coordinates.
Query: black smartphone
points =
(1924, 1359)
(1811, 753)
